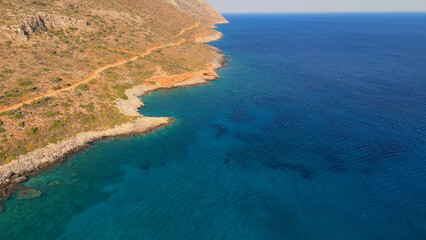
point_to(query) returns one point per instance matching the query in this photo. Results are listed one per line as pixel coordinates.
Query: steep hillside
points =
(66, 63)
(200, 9)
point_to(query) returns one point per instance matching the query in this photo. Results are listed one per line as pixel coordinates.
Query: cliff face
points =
(42, 22)
(199, 9)
(20, 19)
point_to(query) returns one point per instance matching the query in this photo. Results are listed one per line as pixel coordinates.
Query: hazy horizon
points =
(342, 12)
(319, 6)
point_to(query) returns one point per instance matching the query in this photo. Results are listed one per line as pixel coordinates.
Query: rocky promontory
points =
(89, 65)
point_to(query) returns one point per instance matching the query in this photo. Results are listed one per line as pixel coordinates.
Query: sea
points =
(316, 130)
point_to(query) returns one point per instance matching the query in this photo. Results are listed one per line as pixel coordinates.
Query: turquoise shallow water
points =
(315, 131)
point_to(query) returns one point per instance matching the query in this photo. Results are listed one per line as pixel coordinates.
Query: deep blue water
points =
(316, 131)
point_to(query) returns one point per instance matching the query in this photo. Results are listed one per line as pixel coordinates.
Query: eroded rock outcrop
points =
(199, 9)
(42, 22)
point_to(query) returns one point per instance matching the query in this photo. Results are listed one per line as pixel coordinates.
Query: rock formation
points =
(199, 9)
(42, 22)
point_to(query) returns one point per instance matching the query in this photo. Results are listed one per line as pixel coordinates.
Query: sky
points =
(235, 6)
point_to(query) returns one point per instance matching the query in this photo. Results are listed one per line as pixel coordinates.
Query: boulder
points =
(20, 179)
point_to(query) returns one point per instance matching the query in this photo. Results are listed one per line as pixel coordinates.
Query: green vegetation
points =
(57, 79)
(90, 107)
(65, 105)
(39, 102)
(56, 124)
(112, 75)
(12, 93)
(50, 114)
(39, 3)
(82, 87)
(19, 115)
(32, 88)
(25, 82)
(120, 90)
(7, 71)
(32, 131)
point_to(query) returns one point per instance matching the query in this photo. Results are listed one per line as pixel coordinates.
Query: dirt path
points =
(101, 69)
(187, 29)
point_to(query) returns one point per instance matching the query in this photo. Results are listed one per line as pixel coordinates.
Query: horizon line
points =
(313, 12)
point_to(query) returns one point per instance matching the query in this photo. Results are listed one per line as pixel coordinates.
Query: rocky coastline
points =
(17, 171)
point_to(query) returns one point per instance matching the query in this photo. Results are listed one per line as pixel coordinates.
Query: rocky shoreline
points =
(17, 171)
(211, 38)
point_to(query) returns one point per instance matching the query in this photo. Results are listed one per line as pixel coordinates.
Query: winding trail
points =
(95, 73)
(187, 29)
